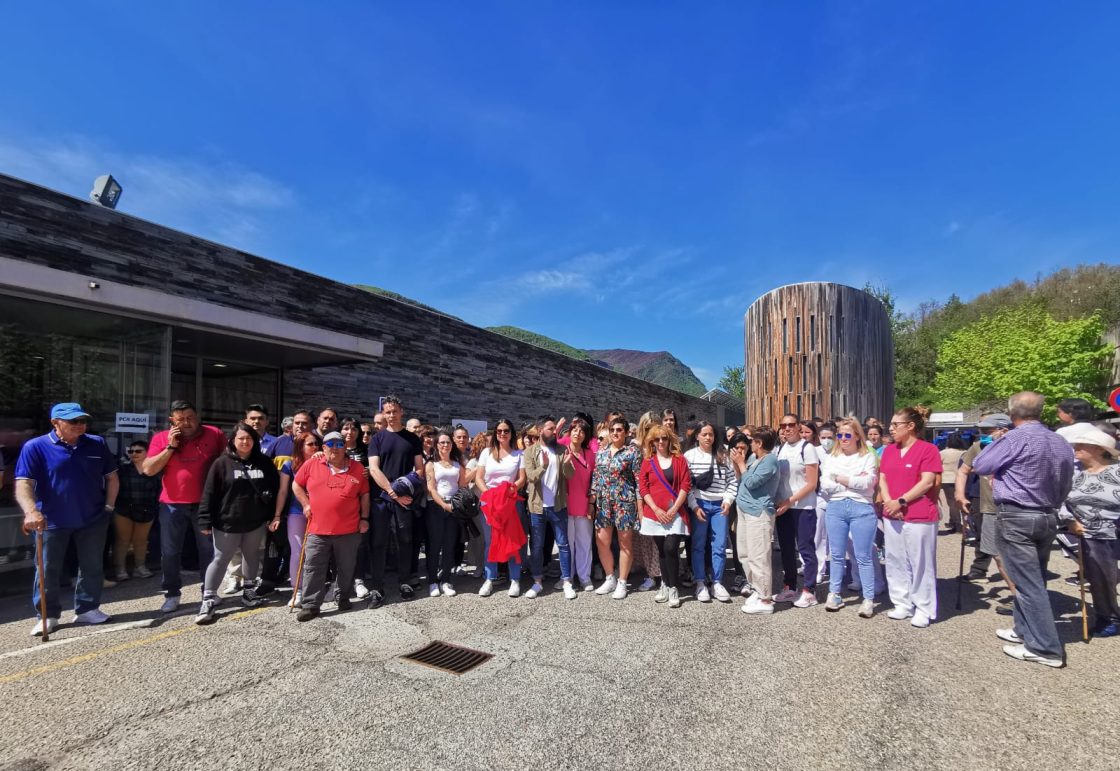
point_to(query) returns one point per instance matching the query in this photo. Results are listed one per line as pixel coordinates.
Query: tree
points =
(1022, 348)
(733, 381)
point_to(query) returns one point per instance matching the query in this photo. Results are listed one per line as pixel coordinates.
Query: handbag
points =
(704, 481)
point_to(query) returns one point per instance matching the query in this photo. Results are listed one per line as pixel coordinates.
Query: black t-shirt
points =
(397, 451)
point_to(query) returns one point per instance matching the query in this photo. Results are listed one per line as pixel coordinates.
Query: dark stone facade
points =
(440, 367)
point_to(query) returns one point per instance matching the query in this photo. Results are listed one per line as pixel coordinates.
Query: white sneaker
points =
(806, 600)
(720, 593)
(1008, 635)
(619, 591)
(569, 591)
(122, 575)
(898, 613)
(433, 590)
(170, 605)
(662, 594)
(756, 607)
(675, 598)
(1020, 652)
(230, 586)
(533, 592)
(588, 586)
(447, 589)
(361, 591)
(920, 620)
(867, 608)
(486, 589)
(786, 595)
(833, 602)
(515, 588)
(94, 616)
(746, 590)
(608, 585)
(702, 594)
(37, 630)
(646, 585)
(296, 601)
(141, 571)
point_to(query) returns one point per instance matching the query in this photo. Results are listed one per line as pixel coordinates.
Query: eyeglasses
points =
(334, 444)
(137, 451)
(662, 439)
(367, 433)
(845, 436)
(787, 425)
(77, 421)
(501, 431)
(617, 430)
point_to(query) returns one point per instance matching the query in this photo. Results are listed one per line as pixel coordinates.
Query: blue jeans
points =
(89, 543)
(844, 517)
(1024, 541)
(559, 522)
(713, 533)
(175, 521)
(492, 567)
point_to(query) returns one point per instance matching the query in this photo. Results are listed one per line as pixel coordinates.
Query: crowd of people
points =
(330, 506)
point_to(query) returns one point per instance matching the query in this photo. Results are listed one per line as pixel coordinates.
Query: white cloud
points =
(542, 281)
(220, 200)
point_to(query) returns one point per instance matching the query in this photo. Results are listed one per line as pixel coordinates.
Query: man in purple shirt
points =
(1032, 474)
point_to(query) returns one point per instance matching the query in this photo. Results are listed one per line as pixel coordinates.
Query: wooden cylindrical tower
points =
(818, 349)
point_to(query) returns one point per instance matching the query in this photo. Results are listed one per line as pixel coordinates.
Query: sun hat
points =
(1086, 433)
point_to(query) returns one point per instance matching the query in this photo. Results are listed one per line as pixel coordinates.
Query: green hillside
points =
(540, 341)
(400, 298)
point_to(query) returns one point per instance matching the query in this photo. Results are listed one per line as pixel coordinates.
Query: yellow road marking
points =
(75, 660)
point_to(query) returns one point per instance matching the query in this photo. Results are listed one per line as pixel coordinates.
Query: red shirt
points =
(185, 473)
(649, 483)
(902, 472)
(335, 496)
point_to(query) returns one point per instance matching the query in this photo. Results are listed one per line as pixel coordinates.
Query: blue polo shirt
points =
(266, 442)
(69, 481)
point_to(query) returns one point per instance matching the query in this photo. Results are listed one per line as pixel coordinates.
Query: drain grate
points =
(447, 657)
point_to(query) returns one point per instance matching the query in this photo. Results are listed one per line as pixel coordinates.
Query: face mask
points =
(986, 439)
(828, 444)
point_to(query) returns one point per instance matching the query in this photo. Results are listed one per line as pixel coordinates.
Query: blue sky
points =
(615, 174)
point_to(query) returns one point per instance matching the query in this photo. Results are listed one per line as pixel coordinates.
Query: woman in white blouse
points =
(849, 475)
(500, 462)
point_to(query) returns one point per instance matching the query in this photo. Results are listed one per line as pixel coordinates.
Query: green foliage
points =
(525, 336)
(401, 298)
(1021, 348)
(733, 381)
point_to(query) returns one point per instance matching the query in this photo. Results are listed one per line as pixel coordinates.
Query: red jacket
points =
(499, 506)
(649, 483)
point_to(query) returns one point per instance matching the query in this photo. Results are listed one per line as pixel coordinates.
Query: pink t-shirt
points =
(592, 444)
(579, 483)
(902, 472)
(186, 469)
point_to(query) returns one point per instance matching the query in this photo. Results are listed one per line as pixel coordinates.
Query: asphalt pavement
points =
(586, 683)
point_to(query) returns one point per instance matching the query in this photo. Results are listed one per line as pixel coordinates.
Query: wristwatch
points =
(902, 502)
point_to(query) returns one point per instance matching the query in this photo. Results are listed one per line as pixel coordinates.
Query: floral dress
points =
(615, 487)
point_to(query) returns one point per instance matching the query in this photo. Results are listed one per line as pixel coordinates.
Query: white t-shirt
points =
(549, 479)
(494, 472)
(792, 460)
(447, 479)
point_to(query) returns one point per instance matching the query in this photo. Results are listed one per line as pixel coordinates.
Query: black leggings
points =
(669, 549)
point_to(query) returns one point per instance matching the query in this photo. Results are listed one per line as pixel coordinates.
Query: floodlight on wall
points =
(106, 191)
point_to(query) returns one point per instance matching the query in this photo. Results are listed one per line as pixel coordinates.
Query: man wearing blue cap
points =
(66, 485)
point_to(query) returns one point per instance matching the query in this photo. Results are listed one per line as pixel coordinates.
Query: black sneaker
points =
(344, 604)
(975, 575)
(250, 598)
(376, 599)
(306, 614)
(206, 612)
(406, 592)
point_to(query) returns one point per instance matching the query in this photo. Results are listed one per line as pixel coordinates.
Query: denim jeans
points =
(89, 543)
(1024, 541)
(712, 533)
(175, 521)
(492, 567)
(842, 518)
(559, 522)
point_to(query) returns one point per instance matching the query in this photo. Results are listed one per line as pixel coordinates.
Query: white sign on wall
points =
(132, 423)
(946, 417)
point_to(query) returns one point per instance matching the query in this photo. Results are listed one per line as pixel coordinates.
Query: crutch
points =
(43, 585)
(299, 568)
(960, 572)
(1081, 585)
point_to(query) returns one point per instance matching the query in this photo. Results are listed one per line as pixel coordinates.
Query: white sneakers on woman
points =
(486, 589)
(609, 584)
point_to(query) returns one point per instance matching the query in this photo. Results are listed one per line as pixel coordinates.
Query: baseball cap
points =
(997, 420)
(68, 411)
(333, 435)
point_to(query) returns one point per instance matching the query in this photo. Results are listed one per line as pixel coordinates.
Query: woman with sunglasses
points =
(289, 511)
(710, 500)
(849, 475)
(498, 463)
(646, 556)
(615, 487)
(908, 475)
(578, 464)
(237, 503)
(664, 483)
(137, 507)
(445, 474)
(796, 522)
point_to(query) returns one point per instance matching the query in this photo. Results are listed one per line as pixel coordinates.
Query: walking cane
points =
(299, 568)
(1081, 585)
(960, 572)
(43, 588)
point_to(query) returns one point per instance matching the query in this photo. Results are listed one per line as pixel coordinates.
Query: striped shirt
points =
(1032, 466)
(724, 480)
